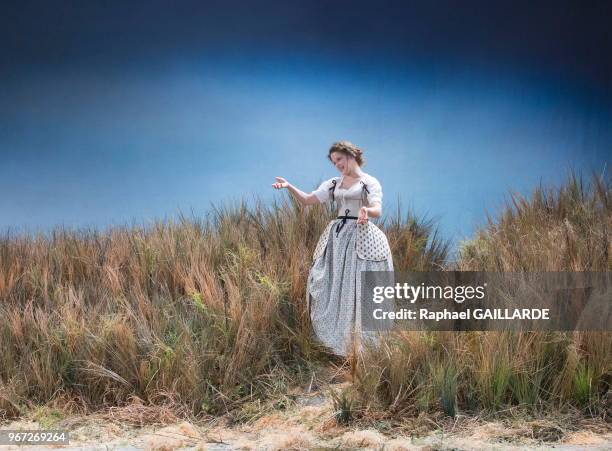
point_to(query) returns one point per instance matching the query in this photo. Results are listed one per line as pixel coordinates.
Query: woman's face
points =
(344, 163)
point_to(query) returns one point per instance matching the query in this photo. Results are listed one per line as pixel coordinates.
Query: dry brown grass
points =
(200, 317)
(567, 229)
(200, 314)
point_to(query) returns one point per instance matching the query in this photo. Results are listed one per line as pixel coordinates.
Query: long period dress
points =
(344, 250)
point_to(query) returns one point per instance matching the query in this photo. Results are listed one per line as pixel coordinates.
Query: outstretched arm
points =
(300, 196)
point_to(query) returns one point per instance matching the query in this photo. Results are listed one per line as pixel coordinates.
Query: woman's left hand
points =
(363, 215)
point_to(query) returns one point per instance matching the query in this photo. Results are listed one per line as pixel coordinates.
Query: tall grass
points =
(201, 314)
(564, 229)
(209, 314)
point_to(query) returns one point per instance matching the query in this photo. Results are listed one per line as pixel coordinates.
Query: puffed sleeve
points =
(375, 190)
(323, 191)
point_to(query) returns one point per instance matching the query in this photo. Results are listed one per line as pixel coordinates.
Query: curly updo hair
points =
(347, 148)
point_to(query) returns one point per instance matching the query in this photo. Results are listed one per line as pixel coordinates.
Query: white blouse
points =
(351, 198)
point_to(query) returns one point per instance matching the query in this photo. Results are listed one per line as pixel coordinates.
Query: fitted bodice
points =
(365, 191)
(349, 199)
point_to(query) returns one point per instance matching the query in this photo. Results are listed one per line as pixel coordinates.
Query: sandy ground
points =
(308, 423)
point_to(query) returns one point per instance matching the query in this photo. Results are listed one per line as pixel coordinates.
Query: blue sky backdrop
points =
(114, 114)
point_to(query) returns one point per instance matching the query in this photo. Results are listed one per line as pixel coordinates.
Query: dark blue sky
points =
(135, 110)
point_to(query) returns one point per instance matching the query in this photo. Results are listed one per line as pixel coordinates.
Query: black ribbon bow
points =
(364, 190)
(332, 189)
(344, 218)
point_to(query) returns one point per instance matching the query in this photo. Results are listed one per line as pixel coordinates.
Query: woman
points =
(349, 244)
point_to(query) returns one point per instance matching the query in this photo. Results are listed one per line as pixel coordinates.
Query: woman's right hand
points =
(280, 183)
